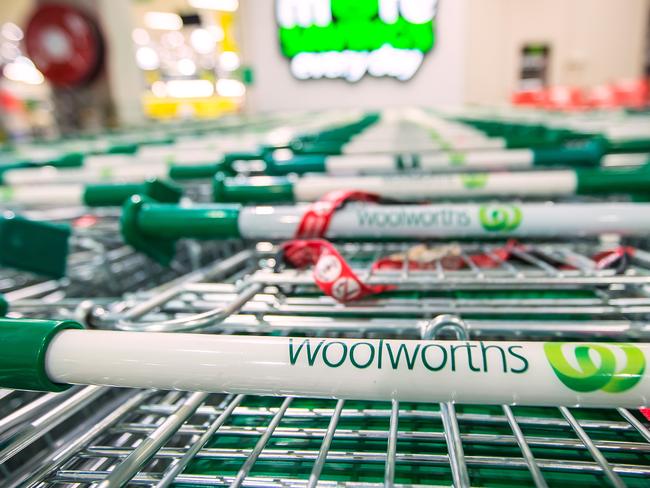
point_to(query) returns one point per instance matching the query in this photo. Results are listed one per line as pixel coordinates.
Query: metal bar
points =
(454, 446)
(165, 292)
(108, 416)
(29, 410)
(259, 447)
(391, 451)
(641, 429)
(41, 426)
(141, 455)
(197, 321)
(614, 478)
(535, 472)
(617, 426)
(325, 446)
(176, 468)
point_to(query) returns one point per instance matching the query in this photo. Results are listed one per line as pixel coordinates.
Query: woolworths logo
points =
(500, 218)
(474, 181)
(407, 218)
(349, 38)
(398, 355)
(613, 368)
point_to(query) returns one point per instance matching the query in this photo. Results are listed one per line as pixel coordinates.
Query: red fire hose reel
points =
(65, 44)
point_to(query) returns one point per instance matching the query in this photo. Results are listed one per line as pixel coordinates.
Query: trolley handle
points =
(69, 160)
(283, 189)
(115, 194)
(153, 228)
(51, 355)
(204, 171)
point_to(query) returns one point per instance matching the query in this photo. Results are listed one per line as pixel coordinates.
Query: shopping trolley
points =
(249, 440)
(260, 310)
(66, 254)
(80, 262)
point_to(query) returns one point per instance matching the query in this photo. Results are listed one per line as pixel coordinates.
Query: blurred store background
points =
(83, 65)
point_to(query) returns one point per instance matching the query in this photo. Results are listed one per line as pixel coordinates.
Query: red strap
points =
(606, 259)
(331, 273)
(451, 262)
(85, 221)
(316, 220)
(496, 257)
(645, 412)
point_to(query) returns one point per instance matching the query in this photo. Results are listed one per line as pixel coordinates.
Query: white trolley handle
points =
(46, 355)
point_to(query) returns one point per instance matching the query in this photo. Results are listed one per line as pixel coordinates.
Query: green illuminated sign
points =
(349, 38)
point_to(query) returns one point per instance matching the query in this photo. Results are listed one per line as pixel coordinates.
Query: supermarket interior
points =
(325, 243)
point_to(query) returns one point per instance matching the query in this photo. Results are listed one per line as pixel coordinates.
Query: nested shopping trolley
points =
(55, 261)
(300, 412)
(504, 358)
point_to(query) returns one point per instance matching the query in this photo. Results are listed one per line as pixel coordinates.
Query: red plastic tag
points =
(645, 412)
(450, 262)
(316, 220)
(606, 259)
(85, 221)
(332, 273)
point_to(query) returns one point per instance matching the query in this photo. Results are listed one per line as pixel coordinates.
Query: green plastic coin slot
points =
(29, 245)
(115, 194)
(153, 228)
(4, 306)
(23, 347)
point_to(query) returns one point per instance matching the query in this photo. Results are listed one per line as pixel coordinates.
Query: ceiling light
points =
(186, 67)
(189, 88)
(229, 60)
(222, 5)
(163, 21)
(147, 58)
(230, 88)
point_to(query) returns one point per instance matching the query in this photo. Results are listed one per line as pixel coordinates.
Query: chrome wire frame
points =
(99, 266)
(517, 298)
(199, 439)
(153, 438)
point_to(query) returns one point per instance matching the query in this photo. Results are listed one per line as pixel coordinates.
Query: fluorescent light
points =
(229, 60)
(159, 89)
(12, 32)
(186, 67)
(163, 21)
(223, 5)
(147, 58)
(9, 51)
(189, 88)
(217, 32)
(202, 41)
(173, 39)
(23, 70)
(230, 88)
(140, 36)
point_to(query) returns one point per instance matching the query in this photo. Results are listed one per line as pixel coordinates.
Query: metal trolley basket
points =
(157, 438)
(105, 436)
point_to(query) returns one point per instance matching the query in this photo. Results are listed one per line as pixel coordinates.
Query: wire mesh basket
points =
(157, 438)
(592, 291)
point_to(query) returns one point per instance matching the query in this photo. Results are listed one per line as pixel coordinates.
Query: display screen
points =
(351, 38)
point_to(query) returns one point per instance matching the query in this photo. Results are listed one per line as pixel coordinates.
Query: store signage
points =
(351, 38)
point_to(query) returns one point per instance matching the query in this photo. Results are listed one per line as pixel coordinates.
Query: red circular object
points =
(64, 44)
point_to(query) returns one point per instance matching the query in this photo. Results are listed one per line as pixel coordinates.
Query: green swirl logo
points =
(474, 181)
(504, 218)
(597, 368)
(457, 158)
